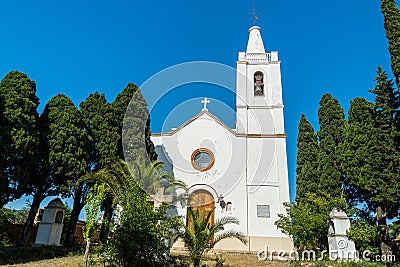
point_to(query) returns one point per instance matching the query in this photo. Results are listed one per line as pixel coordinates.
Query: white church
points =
(242, 172)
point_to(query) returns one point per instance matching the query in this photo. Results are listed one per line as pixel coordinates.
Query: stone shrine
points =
(341, 247)
(51, 226)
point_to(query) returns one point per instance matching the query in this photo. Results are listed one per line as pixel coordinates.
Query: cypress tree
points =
(387, 103)
(151, 152)
(97, 116)
(307, 177)
(392, 26)
(119, 107)
(130, 108)
(101, 124)
(69, 147)
(387, 194)
(359, 149)
(330, 136)
(20, 137)
(371, 157)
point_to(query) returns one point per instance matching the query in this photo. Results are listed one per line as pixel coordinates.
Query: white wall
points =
(227, 177)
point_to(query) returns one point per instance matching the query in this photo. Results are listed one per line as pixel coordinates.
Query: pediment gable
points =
(198, 116)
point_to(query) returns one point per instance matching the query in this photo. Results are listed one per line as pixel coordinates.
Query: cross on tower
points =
(254, 15)
(205, 101)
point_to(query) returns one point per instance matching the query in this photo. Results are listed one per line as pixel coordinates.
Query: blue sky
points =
(78, 47)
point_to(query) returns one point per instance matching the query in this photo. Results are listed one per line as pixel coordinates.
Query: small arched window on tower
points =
(59, 217)
(258, 83)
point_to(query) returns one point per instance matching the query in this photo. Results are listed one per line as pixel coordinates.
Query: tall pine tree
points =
(101, 124)
(69, 152)
(97, 116)
(392, 26)
(330, 136)
(20, 136)
(307, 177)
(359, 150)
(371, 157)
(130, 108)
(151, 152)
(387, 198)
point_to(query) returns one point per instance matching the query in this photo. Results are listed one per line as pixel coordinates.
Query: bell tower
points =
(259, 106)
(259, 119)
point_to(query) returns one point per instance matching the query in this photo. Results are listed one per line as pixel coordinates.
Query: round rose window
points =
(202, 159)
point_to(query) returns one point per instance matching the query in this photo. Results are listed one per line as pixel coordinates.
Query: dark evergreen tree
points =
(134, 129)
(97, 116)
(151, 152)
(387, 103)
(119, 107)
(387, 196)
(359, 148)
(130, 108)
(371, 157)
(392, 26)
(101, 124)
(69, 152)
(4, 182)
(19, 136)
(330, 136)
(307, 177)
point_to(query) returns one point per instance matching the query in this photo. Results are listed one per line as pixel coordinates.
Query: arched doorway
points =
(202, 201)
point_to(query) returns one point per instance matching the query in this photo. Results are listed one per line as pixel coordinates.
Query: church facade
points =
(240, 172)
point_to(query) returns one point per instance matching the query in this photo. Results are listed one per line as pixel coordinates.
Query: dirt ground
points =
(231, 260)
(237, 259)
(72, 261)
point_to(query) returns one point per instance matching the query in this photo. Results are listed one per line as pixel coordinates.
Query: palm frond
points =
(230, 234)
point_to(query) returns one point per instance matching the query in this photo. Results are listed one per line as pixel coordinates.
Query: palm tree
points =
(117, 178)
(199, 233)
(122, 179)
(150, 177)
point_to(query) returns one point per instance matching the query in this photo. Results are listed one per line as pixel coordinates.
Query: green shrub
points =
(365, 236)
(6, 218)
(140, 238)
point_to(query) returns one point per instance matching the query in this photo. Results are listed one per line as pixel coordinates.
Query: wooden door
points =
(204, 202)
